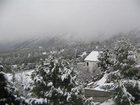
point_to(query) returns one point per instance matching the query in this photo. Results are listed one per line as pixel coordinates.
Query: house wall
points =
(92, 67)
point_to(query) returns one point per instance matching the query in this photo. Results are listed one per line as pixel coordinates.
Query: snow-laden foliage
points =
(56, 82)
(125, 63)
(105, 60)
(8, 93)
(89, 101)
(125, 59)
(22, 82)
(122, 70)
(127, 92)
(36, 101)
(122, 96)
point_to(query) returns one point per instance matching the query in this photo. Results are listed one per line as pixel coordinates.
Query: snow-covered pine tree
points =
(105, 60)
(125, 59)
(56, 82)
(125, 64)
(7, 91)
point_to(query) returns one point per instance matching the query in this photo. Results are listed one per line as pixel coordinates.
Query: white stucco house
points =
(91, 61)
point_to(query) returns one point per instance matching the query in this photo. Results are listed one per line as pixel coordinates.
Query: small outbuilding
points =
(91, 61)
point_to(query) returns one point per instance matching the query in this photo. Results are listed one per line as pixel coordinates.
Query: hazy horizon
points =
(86, 19)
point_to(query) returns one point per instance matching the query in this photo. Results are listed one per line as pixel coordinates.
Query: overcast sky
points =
(21, 19)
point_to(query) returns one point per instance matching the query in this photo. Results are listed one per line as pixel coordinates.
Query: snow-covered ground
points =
(108, 102)
(22, 77)
(102, 85)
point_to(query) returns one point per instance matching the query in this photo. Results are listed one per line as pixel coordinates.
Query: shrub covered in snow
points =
(105, 60)
(8, 93)
(125, 59)
(125, 63)
(57, 83)
(123, 73)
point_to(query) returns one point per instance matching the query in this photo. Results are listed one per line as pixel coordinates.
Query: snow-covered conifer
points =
(8, 94)
(125, 59)
(105, 61)
(125, 65)
(56, 82)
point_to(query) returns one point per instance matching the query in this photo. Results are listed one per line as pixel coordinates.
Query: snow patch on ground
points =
(108, 102)
(102, 80)
(24, 77)
(102, 84)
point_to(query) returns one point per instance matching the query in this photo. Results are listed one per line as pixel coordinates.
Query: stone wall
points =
(98, 96)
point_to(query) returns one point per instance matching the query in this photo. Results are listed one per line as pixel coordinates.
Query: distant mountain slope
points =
(42, 43)
(35, 43)
(133, 36)
(4, 47)
(61, 41)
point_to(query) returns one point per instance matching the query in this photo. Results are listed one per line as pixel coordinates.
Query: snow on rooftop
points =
(93, 56)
